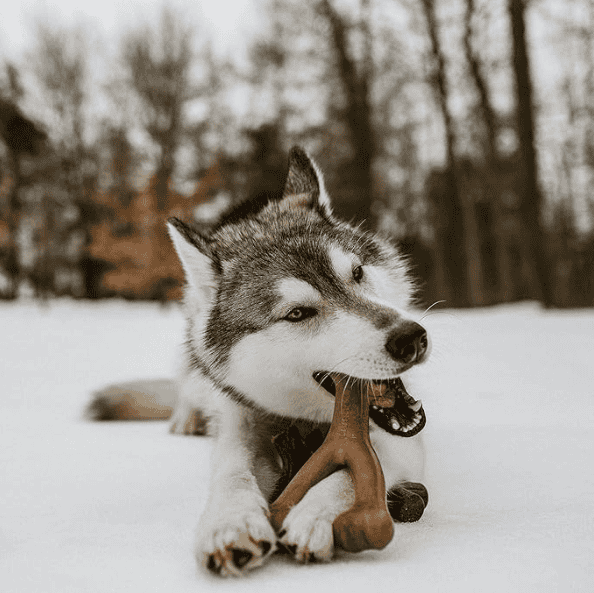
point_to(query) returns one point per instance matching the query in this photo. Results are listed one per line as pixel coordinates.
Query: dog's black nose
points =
(408, 343)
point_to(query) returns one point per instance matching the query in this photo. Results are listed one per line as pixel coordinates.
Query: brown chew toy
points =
(367, 524)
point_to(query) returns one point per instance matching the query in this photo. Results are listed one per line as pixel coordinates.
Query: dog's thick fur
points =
(276, 295)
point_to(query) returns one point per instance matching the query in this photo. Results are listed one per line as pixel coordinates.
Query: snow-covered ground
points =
(509, 397)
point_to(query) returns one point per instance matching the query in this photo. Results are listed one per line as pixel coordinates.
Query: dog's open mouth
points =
(390, 405)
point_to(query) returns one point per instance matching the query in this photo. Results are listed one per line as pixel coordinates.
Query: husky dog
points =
(279, 295)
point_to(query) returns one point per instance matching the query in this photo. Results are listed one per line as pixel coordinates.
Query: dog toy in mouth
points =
(367, 524)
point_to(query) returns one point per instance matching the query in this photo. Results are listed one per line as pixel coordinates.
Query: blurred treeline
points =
(426, 116)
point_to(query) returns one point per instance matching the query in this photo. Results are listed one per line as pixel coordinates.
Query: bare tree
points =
(60, 64)
(20, 136)
(158, 61)
(449, 220)
(482, 210)
(268, 72)
(322, 55)
(121, 162)
(587, 51)
(487, 120)
(531, 202)
(355, 78)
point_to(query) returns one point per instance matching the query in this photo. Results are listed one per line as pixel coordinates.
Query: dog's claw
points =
(265, 547)
(241, 557)
(237, 561)
(307, 539)
(235, 549)
(292, 548)
(213, 565)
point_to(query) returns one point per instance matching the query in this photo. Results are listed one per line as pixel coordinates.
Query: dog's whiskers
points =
(425, 313)
(328, 373)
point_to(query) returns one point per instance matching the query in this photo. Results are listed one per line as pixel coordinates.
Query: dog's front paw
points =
(236, 543)
(307, 534)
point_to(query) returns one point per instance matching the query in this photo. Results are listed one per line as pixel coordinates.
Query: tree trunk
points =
(355, 85)
(12, 265)
(450, 242)
(491, 183)
(531, 200)
(485, 107)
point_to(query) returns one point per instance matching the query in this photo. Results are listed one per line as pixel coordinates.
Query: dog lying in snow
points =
(278, 295)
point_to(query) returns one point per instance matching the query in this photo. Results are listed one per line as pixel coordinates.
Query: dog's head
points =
(279, 297)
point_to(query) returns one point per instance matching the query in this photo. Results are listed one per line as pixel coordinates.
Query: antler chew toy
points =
(367, 524)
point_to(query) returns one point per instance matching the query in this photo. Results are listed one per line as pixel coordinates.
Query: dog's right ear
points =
(196, 257)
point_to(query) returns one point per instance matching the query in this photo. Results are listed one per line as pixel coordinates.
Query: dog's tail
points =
(134, 400)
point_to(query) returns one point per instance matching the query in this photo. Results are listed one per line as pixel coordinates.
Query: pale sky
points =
(228, 22)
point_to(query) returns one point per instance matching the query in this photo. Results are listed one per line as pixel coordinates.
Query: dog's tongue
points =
(381, 395)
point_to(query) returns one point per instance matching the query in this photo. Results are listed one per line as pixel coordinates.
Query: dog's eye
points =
(358, 274)
(300, 313)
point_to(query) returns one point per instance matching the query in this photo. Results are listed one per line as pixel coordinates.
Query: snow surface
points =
(509, 397)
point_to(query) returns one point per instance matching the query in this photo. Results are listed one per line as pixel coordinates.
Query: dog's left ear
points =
(304, 187)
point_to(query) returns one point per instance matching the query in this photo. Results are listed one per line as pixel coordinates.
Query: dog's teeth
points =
(395, 424)
(416, 406)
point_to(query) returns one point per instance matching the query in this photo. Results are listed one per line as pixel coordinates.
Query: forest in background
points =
(425, 116)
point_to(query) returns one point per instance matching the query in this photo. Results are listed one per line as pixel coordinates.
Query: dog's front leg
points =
(307, 529)
(234, 533)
